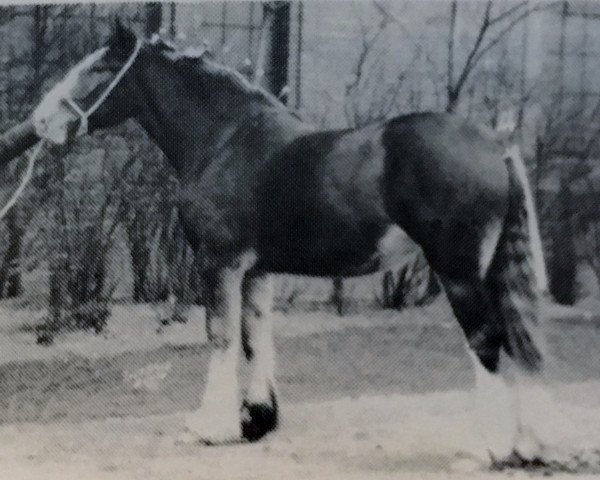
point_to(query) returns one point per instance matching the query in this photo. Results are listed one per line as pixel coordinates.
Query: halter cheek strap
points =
(83, 126)
(85, 115)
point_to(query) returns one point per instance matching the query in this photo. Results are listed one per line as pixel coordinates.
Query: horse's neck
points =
(194, 130)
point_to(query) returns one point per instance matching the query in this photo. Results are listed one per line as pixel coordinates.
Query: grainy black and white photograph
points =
(300, 240)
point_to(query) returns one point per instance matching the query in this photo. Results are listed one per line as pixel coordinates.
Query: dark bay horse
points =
(264, 193)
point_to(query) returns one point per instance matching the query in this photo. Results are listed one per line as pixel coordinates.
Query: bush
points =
(89, 316)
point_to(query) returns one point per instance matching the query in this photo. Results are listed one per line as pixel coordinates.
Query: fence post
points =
(153, 18)
(272, 65)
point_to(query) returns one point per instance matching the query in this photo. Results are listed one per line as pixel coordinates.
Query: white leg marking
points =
(257, 314)
(496, 413)
(488, 246)
(542, 423)
(218, 419)
(534, 231)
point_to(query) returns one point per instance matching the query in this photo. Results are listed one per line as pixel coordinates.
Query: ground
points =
(370, 396)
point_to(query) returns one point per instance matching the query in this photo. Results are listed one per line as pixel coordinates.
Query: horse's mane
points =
(196, 60)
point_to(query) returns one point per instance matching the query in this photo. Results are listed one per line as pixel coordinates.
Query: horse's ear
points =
(122, 37)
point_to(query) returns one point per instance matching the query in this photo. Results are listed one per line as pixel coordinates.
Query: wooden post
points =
(337, 295)
(561, 58)
(300, 40)
(153, 18)
(172, 20)
(451, 94)
(272, 65)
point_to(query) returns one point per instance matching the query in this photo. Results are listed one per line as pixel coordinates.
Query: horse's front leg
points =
(217, 420)
(259, 413)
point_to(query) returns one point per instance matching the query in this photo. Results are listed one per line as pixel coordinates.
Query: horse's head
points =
(93, 94)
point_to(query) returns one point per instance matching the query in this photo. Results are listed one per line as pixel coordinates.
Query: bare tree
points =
(493, 28)
(19, 216)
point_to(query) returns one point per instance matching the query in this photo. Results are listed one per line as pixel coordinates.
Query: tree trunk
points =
(337, 295)
(58, 300)
(451, 91)
(100, 277)
(563, 263)
(272, 67)
(153, 18)
(140, 258)
(10, 272)
(388, 289)
(172, 20)
(58, 289)
(453, 97)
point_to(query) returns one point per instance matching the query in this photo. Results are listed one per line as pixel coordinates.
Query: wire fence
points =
(39, 42)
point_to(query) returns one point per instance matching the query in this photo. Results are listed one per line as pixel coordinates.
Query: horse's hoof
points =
(258, 419)
(210, 431)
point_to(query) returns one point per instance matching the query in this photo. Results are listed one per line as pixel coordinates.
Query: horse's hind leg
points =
(516, 301)
(259, 411)
(218, 418)
(516, 294)
(494, 401)
(516, 279)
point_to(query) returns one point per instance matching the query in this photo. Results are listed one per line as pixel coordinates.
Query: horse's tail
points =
(517, 274)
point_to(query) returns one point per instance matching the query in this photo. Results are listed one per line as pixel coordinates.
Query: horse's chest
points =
(217, 210)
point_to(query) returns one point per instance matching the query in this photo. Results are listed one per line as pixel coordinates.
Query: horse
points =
(264, 192)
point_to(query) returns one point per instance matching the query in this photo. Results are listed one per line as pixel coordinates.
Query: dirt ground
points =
(383, 395)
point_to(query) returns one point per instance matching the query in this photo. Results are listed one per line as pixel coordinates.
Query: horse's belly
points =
(345, 255)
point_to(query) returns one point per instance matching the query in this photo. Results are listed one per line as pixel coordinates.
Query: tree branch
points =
(455, 89)
(507, 13)
(481, 47)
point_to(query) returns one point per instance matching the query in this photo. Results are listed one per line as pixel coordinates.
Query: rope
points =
(82, 128)
(26, 179)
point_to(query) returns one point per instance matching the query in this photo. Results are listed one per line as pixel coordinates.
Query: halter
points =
(84, 115)
(83, 127)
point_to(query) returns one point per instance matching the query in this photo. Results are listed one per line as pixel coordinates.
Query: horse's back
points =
(330, 197)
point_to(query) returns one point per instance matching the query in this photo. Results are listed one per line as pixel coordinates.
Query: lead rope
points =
(25, 180)
(83, 127)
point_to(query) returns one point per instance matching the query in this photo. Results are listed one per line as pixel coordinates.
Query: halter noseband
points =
(84, 115)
